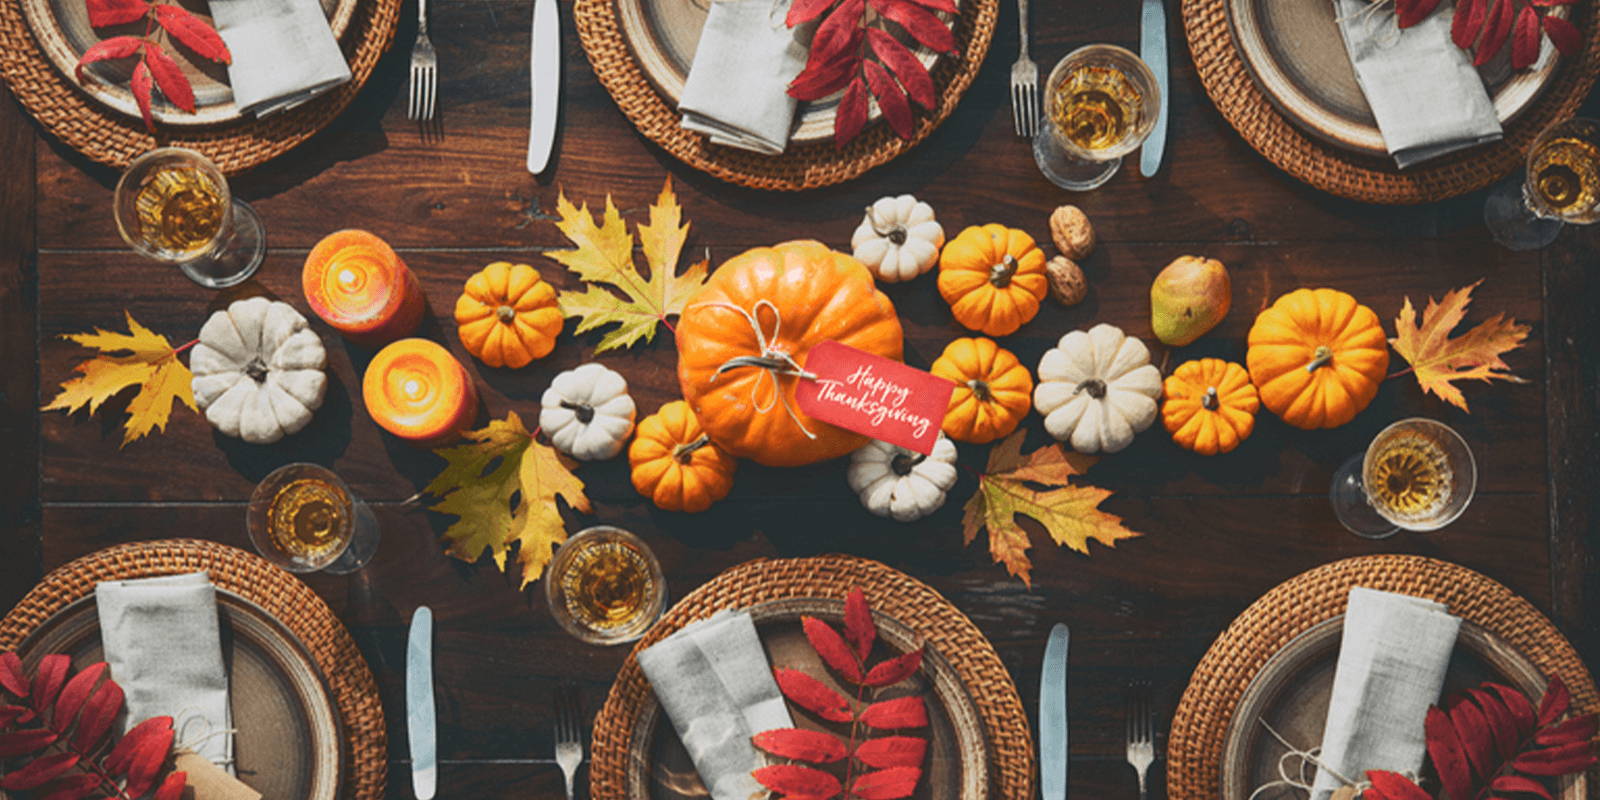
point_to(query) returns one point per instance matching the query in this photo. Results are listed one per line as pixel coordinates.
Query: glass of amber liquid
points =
(1100, 103)
(303, 518)
(1417, 475)
(604, 586)
(1561, 187)
(174, 206)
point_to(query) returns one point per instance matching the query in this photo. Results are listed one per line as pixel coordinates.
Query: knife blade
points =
(1153, 49)
(1053, 716)
(544, 74)
(420, 722)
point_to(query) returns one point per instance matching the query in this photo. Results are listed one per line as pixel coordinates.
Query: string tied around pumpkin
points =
(774, 361)
(1292, 769)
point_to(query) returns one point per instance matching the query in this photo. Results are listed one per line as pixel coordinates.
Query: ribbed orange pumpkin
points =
(993, 390)
(798, 294)
(675, 463)
(1210, 405)
(993, 278)
(507, 315)
(1316, 357)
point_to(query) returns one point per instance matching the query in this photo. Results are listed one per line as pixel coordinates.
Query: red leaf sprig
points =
(1491, 743)
(156, 69)
(1485, 26)
(880, 768)
(838, 59)
(61, 723)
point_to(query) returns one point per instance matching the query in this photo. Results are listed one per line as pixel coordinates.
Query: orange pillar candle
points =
(419, 392)
(359, 285)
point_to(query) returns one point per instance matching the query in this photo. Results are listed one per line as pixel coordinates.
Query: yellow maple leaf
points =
(503, 486)
(151, 363)
(1439, 360)
(604, 255)
(1070, 514)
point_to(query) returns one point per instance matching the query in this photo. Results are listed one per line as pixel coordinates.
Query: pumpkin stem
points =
(1321, 358)
(507, 314)
(1209, 402)
(1000, 274)
(682, 452)
(981, 389)
(1094, 386)
(585, 412)
(895, 233)
(257, 370)
(903, 463)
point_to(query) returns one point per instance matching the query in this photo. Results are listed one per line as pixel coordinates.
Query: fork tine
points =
(433, 91)
(1033, 105)
(413, 105)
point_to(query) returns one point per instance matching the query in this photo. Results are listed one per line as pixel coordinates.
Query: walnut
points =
(1067, 284)
(1073, 234)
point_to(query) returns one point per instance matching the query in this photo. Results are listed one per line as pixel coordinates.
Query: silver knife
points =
(544, 72)
(1053, 717)
(1153, 49)
(420, 723)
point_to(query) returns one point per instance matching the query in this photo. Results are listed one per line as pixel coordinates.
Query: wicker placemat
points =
(1200, 726)
(111, 138)
(1374, 180)
(285, 597)
(801, 166)
(895, 593)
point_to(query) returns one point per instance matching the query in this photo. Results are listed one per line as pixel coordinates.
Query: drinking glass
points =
(1560, 186)
(173, 205)
(303, 518)
(1416, 475)
(604, 586)
(1100, 103)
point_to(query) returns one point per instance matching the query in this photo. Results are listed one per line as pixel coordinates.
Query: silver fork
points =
(569, 734)
(1024, 82)
(424, 70)
(1141, 733)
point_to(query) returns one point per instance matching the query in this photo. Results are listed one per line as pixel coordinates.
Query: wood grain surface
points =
(1218, 532)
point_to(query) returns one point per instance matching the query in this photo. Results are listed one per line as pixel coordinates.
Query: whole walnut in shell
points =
(1067, 284)
(1071, 231)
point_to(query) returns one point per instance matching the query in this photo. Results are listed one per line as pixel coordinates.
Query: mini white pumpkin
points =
(1097, 389)
(902, 484)
(258, 370)
(898, 239)
(587, 412)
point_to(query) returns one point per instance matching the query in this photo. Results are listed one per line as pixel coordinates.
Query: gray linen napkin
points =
(1424, 92)
(164, 647)
(1392, 662)
(737, 90)
(284, 52)
(713, 679)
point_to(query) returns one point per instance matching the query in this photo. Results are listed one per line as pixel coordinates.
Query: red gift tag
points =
(874, 396)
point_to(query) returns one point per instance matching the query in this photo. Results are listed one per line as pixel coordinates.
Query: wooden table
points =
(1219, 531)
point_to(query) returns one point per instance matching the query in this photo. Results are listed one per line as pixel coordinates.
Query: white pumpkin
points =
(258, 370)
(898, 239)
(1097, 389)
(902, 484)
(587, 412)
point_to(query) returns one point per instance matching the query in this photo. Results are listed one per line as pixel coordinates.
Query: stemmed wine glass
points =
(1101, 102)
(173, 205)
(1416, 475)
(303, 518)
(1561, 186)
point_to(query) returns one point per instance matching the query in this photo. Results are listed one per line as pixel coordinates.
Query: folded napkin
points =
(284, 52)
(713, 679)
(1391, 666)
(737, 90)
(163, 643)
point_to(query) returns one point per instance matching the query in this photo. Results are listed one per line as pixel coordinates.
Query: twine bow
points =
(1310, 757)
(774, 360)
(192, 716)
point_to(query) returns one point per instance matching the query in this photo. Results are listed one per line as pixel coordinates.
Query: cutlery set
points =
(1053, 722)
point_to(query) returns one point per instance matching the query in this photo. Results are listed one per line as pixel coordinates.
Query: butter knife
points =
(1053, 717)
(420, 723)
(544, 73)
(1153, 49)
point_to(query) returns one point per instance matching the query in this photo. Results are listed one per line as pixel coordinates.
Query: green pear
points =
(1188, 298)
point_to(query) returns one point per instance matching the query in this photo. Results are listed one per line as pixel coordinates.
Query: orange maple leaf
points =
(1439, 360)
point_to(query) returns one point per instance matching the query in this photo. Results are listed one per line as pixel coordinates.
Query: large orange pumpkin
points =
(1317, 357)
(738, 379)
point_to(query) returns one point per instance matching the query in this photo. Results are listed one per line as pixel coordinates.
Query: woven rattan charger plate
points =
(802, 166)
(1371, 179)
(1200, 726)
(112, 138)
(896, 594)
(290, 601)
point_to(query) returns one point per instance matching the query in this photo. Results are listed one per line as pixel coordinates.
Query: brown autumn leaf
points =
(141, 358)
(1439, 360)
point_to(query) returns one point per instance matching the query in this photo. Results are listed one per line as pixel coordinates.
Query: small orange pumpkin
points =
(993, 277)
(1210, 405)
(993, 390)
(675, 463)
(1317, 356)
(507, 315)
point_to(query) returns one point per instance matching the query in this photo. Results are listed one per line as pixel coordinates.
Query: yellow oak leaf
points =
(151, 363)
(502, 485)
(1439, 360)
(604, 255)
(1070, 514)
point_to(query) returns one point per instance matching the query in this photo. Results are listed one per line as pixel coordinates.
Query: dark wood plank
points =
(19, 355)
